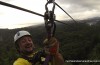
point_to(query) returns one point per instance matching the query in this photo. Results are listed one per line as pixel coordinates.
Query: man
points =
(25, 46)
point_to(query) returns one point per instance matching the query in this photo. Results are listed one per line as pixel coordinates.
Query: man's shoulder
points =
(21, 61)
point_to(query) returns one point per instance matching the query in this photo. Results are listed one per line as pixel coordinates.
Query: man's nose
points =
(28, 41)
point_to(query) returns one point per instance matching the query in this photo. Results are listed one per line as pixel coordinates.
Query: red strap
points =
(53, 49)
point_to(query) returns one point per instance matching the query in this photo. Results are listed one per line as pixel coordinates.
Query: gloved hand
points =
(51, 46)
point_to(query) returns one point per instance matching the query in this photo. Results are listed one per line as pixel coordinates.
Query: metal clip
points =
(50, 1)
(49, 18)
(49, 23)
(46, 8)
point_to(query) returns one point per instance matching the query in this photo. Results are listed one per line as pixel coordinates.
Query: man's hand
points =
(51, 46)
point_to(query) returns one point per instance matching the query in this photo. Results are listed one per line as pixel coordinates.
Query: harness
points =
(37, 57)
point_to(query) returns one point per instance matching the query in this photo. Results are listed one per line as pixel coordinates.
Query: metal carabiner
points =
(46, 8)
(50, 24)
(49, 18)
(50, 1)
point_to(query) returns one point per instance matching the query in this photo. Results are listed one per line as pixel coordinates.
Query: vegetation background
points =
(79, 41)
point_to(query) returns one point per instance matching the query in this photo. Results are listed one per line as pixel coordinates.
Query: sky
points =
(79, 9)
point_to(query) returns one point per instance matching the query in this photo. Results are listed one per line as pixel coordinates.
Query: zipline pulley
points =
(50, 1)
(49, 18)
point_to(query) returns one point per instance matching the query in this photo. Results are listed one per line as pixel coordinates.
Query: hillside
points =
(77, 42)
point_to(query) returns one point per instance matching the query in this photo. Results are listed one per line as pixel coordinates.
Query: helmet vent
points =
(18, 34)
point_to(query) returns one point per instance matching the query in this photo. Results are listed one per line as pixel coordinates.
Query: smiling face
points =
(26, 45)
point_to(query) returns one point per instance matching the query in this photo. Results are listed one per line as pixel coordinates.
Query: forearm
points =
(54, 51)
(58, 58)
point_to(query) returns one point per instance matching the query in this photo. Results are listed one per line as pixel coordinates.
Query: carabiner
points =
(49, 18)
(50, 1)
(46, 8)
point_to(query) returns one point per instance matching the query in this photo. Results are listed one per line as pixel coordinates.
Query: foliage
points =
(77, 42)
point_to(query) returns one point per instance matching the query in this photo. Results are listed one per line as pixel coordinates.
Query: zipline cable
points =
(26, 10)
(61, 22)
(65, 12)
(20, 8)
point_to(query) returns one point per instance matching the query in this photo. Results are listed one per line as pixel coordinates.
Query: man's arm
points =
(58, 58)
(54, 51)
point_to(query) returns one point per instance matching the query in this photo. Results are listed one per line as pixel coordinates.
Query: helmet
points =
(20, 34)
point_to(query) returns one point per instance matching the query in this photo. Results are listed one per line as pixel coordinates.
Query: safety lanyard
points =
(49, 18)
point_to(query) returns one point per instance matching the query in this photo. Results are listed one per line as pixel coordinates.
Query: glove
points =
(51, 46)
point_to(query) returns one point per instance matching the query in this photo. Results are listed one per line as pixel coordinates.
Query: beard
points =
(25, 52)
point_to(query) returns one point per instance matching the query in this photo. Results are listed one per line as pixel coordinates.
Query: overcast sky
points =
(78, 9)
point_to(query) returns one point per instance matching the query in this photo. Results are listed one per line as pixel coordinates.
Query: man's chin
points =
(28, 51)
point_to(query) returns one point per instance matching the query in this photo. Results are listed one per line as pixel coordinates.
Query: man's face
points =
(26, 44)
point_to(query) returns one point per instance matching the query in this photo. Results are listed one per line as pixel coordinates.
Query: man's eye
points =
(29, 39)
(23, 41)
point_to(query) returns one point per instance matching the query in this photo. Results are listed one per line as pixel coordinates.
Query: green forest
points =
(78, 41)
